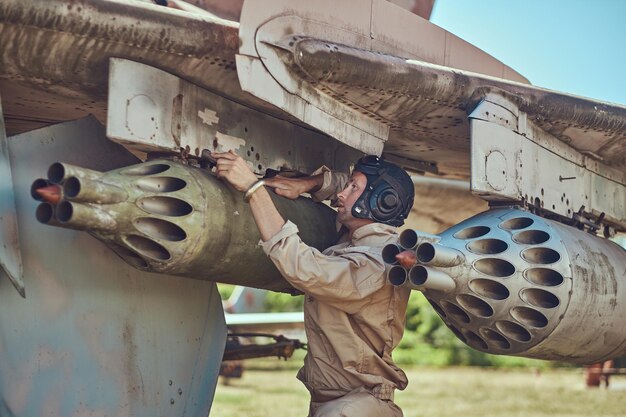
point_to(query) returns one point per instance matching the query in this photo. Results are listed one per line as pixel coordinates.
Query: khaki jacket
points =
(353, 317)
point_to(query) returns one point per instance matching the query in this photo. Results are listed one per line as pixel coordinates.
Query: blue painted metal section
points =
(10, 256)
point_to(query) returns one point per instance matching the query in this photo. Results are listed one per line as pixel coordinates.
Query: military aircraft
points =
(110, 107)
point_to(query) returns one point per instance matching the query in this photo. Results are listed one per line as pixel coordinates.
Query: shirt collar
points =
(371, 230)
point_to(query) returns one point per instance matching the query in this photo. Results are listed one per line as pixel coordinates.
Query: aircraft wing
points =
(54, 64)
(425, 106)
(436, 106)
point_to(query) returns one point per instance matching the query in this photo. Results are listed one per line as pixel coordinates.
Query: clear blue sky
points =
(575, 46)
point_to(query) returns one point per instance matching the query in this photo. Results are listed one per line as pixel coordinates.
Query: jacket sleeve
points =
(344, 281)
(334, 183)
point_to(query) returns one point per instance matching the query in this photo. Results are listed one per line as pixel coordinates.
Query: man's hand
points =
(234, 169)
(292, 187)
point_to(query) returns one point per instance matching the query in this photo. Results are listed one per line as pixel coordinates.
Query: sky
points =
(574, 46)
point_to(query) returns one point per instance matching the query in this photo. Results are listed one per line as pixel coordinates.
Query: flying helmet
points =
(388, 196)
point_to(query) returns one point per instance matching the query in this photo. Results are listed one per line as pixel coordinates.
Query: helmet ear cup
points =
(385, 203)
(389, 194)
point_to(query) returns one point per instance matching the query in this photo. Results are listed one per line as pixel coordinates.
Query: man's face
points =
(349, 196)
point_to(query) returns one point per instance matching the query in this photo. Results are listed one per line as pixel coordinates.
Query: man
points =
(353, 318)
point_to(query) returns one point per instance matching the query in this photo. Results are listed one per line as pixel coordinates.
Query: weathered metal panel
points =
(269, 29)
(10, 254)
(152, 110)
(95, 336)
(509, 166)
(426, 105)
(54, 54)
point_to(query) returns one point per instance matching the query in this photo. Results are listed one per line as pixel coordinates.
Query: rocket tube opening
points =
(165, 206)
(495, 338)
(517, 223)
(49, 193)
(543, 276)
(71, 187)
(487, 246)
(396, 275)
(475, 305)
(44, 213)
(455, 312)
(513, 331)
(160, 229)
(161, 184)
(541, 255)
(38, 184)
(531, 237)
(529, 317)
(389, 254)
(408, 239)
(144, 169)
(540, 298)
(472, 232)
(425, 252)
(148, 247)
(418, 275)
(475, 341)
(56, 172)
(489, 289)
(64, 211)
(494, 267)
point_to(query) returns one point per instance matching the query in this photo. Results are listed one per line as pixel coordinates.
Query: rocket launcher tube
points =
(389, 253)
(84, 217)
(186, 222)
(438, 255)
(424, 278)
(411, 238)
(396, 275)
(59, 172)
(84, 190)
(45, 214)
(396, 255)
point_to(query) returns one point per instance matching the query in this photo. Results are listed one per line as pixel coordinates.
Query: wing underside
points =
(442, 107)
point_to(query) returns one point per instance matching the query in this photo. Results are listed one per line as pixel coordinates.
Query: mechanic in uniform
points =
(353, 317)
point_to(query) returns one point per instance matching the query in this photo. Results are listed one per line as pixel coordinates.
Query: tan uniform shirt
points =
(353, 317)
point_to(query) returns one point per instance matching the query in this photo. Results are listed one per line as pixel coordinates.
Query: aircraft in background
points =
(110, 107)
(251, 326)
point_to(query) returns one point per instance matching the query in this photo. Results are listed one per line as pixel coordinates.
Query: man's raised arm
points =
(321, 184)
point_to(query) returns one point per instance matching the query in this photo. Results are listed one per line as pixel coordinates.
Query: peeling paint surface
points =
(227, 142)
(208, 116)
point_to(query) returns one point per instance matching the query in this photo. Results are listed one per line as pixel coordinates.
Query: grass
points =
(269, 388)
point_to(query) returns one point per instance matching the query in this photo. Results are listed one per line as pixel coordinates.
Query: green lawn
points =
(271, 389)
